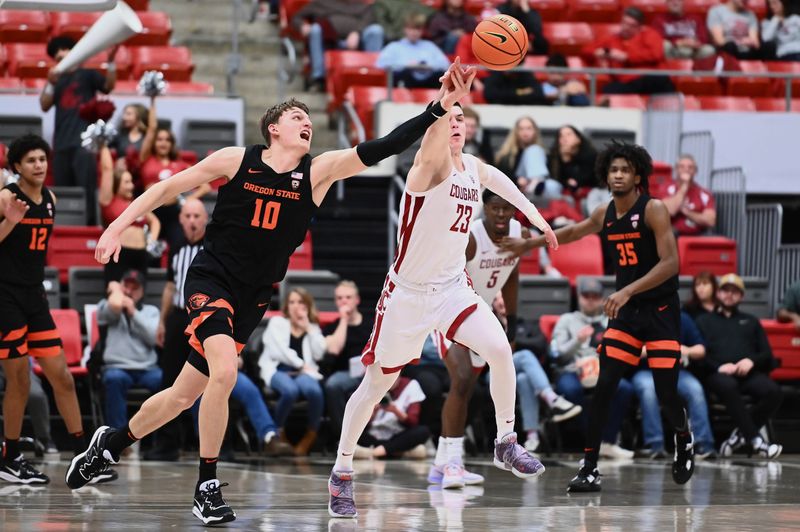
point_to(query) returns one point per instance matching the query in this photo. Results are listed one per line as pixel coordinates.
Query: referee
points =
(174, 319)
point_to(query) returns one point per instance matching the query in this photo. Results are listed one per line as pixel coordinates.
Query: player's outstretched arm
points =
(224, 162)
(565, 235)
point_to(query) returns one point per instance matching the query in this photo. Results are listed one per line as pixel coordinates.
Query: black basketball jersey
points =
(632, 248)
(23, 252)
(260, 218)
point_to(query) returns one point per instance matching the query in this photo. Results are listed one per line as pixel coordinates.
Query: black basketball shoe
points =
(209, 506)
(587, 480)
(20, 471)
(109, 475)
(683, 462)
(93, 461)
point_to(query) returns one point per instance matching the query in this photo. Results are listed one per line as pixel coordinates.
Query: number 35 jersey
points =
(490, 268)
(434, 227)
(260, 218)
(23, 251)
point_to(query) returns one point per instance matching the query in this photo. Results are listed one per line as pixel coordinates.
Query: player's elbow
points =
(671, 264)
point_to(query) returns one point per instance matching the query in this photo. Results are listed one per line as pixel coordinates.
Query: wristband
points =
(436, 109)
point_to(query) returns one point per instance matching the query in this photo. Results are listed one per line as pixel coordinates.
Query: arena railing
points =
(763, 239)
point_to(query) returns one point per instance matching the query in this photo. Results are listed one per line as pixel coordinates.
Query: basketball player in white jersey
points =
(491, 271)
(427, 289)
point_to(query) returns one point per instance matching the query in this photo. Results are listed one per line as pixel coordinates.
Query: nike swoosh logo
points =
(662, 308)
(252, 171)
(609, 224)
(263, 304)
(201, 507)
(500, 36)
(16, 473)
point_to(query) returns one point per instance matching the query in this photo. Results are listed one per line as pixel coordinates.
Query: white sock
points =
(455, 450)
(344, 462)
(441, 452)
(504, 427)
(549, 396)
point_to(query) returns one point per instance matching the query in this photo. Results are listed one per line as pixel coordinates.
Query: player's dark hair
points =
(60, 42)
(24, 144)
(488, 195)
(274, 113)
(636, 156)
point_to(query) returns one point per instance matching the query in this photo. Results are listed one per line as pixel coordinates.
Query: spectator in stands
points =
(391, 15)
(114, 196)
(129, 355)
(38, 409)
(574, 352)
(344, 340)
(780, 31)
(789, 311)
(531, 20)
(690, 390)
(685, 34)
(160, 161)
(476, 143)
(704, 295)
(447, 25)
(510, 87)
(690, 205)
(131, 131)
(293, 344)
(532, 173)
(559, 89)
(525, 133)
(635, 45)
(571, 161)
(734, 29)
(342, 24)
(414, 61)
(395, 428)
(73, 165)
(738, 360)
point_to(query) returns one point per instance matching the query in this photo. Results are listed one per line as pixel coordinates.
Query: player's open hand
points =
(550, 238)
(516, 246)
(461, 79)
(615, 302)
(15, 209)
(108, 247)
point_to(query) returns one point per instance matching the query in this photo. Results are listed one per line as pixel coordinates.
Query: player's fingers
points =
(116, 253)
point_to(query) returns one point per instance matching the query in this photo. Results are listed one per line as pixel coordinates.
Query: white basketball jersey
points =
(490, 268)
(434, 228)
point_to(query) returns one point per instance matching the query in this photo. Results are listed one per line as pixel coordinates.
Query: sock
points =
(455, 450)
(120, 440)
(208, 469)
(11, 449)
(549, 396)
(441, 452)
(78, 442)
(533, 435)
(504, 427)
(590, 456)
(344, 461)
(684, 435)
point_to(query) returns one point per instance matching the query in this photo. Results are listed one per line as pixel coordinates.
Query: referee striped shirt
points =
(178, 267)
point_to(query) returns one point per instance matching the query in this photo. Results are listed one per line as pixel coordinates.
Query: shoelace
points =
(213, 495)
(345, 488)
(27, 468)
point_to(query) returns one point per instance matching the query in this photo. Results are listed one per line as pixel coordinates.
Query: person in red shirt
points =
(634, 46)
(690, 205)
(685, 35)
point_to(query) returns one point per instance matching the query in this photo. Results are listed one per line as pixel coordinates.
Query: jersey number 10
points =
(269, 219)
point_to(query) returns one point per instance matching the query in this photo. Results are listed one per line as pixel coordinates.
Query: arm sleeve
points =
(497, 182)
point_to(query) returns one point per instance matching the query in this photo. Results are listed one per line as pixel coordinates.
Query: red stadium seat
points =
(775, 105)
(72, 246)
(99, 62)
(696, 86)
(779, 85)
(550, 10)
(138, 5)
(10, 85)
(784, 340)
(68, 323)
(759, 7)
(698, 7)
(73, 23)
(3, 61)
(751, 87)
(346, 68)
(726, 103)
(288, 9)
(649, 7)
(691, 103)
(568, 38)
(662, 175)
(157, 29)
(582, 257)
(302, 258)
(365, 100)
(626, 101)
(28, 60)
(529, 263)
(594, 10)
(34, 85)
(188, 156)
(24, 26)
(547, 322)
(174, 61)
(3, 150)
(189, 88)
(714, 254)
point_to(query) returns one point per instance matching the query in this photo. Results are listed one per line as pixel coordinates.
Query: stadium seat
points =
(529, 263)
(99, 62)
(550, 10)
(784, 340)
(73, 23)
(365, 100)
(779, 85)
(11, 85)
(661, 176)
(750, 86)
(71, 208)
(568, 38)
(726, 103)
(138, 5)
(174, 61)
(288, 9)
(539, 294)
(319, 283)
(582, 257)
(303, 256)
(28, 60)
(697, 86)
(24, 26)
(774, 105)
(157, 29)
(698, 7)
(759, 7)
(3, 151)
(691, 103)
(188, 156)
(651, 8)
(601, 31)
(626, 101)
(3, 61)
(347, 68)
(594, 11)
(72, 246)
(547, 322)
(189, 88)
(714, 254)
(68, 323)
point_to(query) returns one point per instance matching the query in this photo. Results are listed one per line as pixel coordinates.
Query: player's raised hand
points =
(550, 237)
(461, 79)
(108, 247)
(15, 209)
(516, 246)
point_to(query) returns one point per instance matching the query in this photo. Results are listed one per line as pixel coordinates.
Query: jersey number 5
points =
(38, 238)
(270, 217)
(461, 225)
(627, 255)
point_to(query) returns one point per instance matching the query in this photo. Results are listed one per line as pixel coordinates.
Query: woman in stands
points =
(115, 194)
(521, 158)
(571, 161)
(293, 344)
(160, 161)
(132, 129)
(704, 295)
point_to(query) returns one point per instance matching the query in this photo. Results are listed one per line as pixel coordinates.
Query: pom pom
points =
(96, 109)
(152, 84)
(98, 135)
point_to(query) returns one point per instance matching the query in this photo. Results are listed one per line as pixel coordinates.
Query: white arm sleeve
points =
(500, 184)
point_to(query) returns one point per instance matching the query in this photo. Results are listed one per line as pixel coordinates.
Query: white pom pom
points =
(152, 83)
(98, 135)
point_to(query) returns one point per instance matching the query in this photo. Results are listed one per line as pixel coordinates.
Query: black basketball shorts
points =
(26, 326)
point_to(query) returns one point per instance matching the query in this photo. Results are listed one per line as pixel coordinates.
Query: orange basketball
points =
(500, 42)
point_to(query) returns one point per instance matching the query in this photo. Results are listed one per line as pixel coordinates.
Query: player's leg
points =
(57, 373)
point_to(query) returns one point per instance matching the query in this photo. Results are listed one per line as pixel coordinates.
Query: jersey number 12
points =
(38, 238)
(269, 219)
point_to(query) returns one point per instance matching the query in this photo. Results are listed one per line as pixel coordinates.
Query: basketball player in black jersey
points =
(644, 311)
(27, 211)
(261, 216)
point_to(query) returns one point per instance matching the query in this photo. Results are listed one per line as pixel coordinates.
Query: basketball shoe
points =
(587, 479)
(93, 461)
(765, 450)
(511, 456)
(20, 471)
(340, 487)
(734, 442)
(683, 461)
(209, 506)
(437, 473)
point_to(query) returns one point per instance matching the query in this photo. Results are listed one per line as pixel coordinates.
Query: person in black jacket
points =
(513, 88)
(738, 361)
(531, 20)
(571, 160)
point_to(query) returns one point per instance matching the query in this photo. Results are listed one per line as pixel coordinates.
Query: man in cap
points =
(739, 359)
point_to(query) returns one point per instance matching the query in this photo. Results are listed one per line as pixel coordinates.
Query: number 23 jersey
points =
(434, 227)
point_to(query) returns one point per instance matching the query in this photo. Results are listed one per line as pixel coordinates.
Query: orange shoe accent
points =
(616, 334)
(663, 345)
(619, 354)
(661, 362)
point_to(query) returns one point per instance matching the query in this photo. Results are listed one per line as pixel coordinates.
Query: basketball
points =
(500, 42)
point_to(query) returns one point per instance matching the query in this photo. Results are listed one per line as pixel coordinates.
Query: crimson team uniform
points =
(26, 326)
